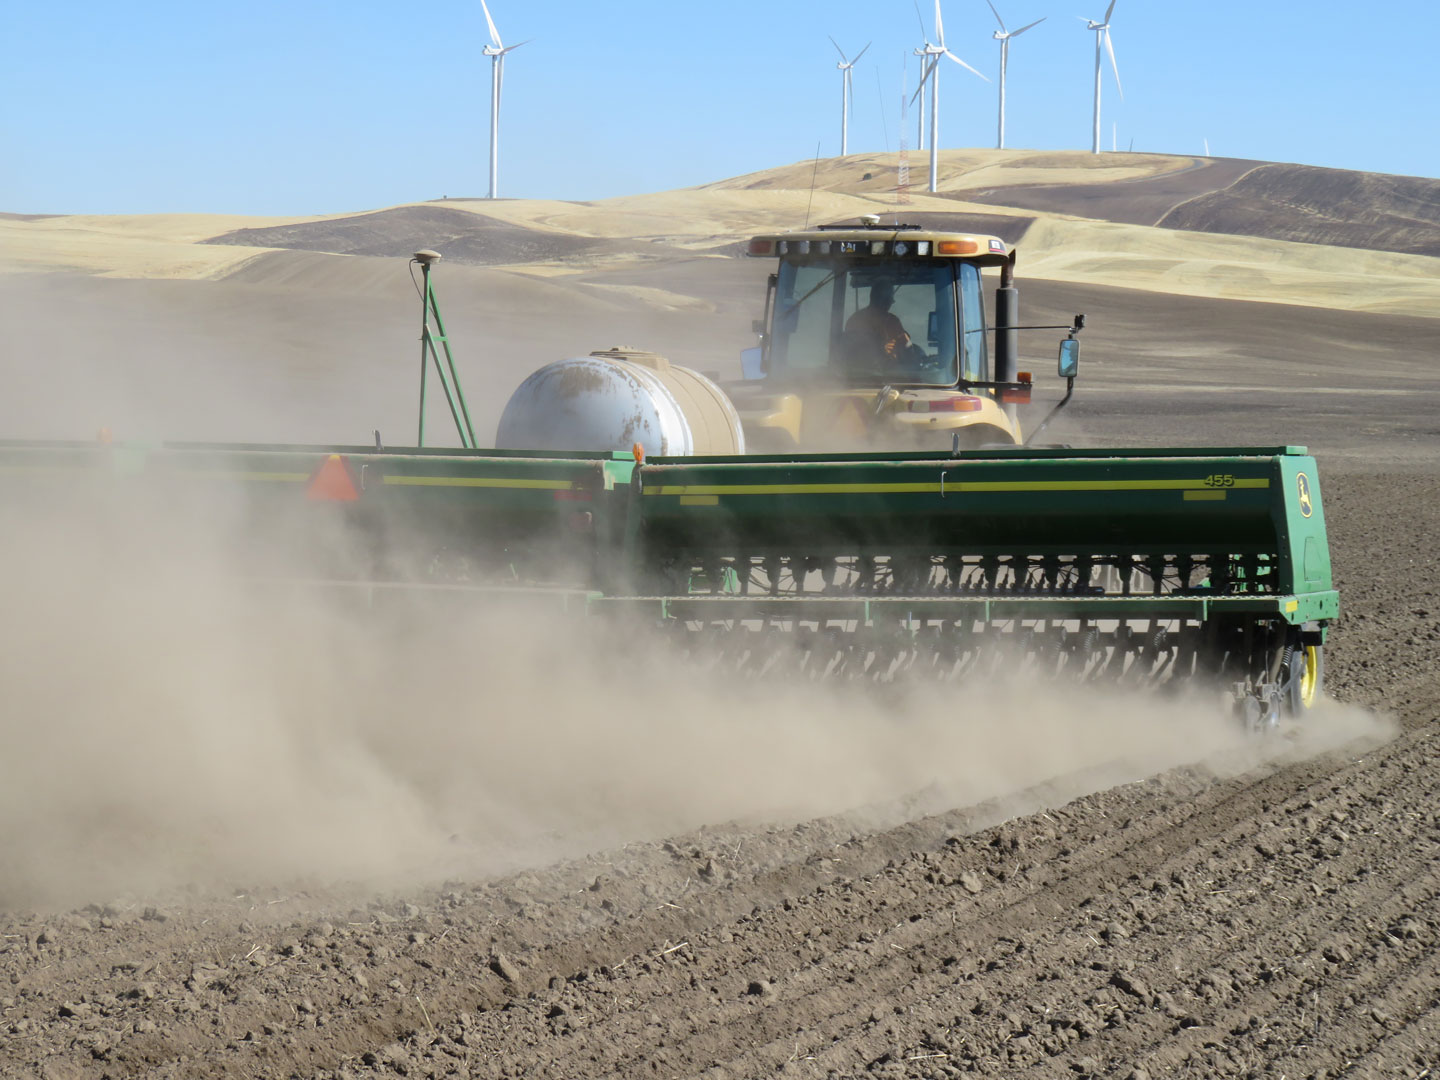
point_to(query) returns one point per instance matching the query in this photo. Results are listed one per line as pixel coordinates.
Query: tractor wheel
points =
(1305, 677)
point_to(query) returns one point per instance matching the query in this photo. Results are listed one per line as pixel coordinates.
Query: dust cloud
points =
(165, 723)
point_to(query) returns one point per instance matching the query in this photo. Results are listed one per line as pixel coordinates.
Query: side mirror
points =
(1069, 358)
(757, 326)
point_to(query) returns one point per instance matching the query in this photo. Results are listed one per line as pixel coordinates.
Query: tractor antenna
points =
(813, 173)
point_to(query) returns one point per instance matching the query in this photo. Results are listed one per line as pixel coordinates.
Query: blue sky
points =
(293, 108)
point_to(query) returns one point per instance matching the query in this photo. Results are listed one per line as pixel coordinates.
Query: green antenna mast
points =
(432, 330)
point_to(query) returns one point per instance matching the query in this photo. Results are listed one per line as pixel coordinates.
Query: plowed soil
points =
(1140, 201)
(1302, 203)
(1276, 919)
(465, 237)
(1320, 206)
(1268, 912)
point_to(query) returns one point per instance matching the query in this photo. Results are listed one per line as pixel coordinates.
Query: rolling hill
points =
(221, 326)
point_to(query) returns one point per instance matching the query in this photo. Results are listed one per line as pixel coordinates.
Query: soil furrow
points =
(890, 972)
(1282, 919)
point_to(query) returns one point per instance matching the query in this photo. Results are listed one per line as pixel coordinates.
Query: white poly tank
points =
(614, 399)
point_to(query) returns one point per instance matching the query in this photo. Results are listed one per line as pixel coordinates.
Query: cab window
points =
(804, 316)
(868, 320)
(975, 361)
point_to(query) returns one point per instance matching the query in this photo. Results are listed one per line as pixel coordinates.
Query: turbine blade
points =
(939, 27)
(494, 34)
(997, 16)
(860, 54)
(926, 69)
(499, 79)
(1027, 26)
(1109, 9)
(921, 20)
(837, 48)
(1110, 48)
(926, 75)
(962, 63)
(512, 48)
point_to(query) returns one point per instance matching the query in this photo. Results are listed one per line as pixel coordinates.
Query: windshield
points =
(877, 321)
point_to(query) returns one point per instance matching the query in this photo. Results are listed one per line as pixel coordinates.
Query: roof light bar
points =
(898, 248)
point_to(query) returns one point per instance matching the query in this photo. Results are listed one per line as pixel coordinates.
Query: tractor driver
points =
(875, 333)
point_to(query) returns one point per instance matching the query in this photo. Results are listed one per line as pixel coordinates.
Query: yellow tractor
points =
(875, 337)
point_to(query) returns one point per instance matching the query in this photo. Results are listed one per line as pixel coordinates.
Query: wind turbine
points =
(1003, 36)
(934, 52)
(1102, 35)
(846, 95)
(496, 50)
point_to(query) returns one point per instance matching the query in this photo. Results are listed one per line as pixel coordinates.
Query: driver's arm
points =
(896, 331)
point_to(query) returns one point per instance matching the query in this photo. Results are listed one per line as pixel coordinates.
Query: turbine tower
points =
(933, 54)
(1003, 36)
(1102, 36)
(846, 95)
(496, 50)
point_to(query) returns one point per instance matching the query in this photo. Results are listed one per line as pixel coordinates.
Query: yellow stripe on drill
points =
(481, 482)
(1192, 488)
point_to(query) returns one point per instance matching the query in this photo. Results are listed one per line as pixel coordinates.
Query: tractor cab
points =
(874, 335)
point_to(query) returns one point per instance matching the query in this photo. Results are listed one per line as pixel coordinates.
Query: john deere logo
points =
(1302, 482)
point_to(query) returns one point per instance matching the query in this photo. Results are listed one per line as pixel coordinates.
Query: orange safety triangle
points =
(332, 482)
